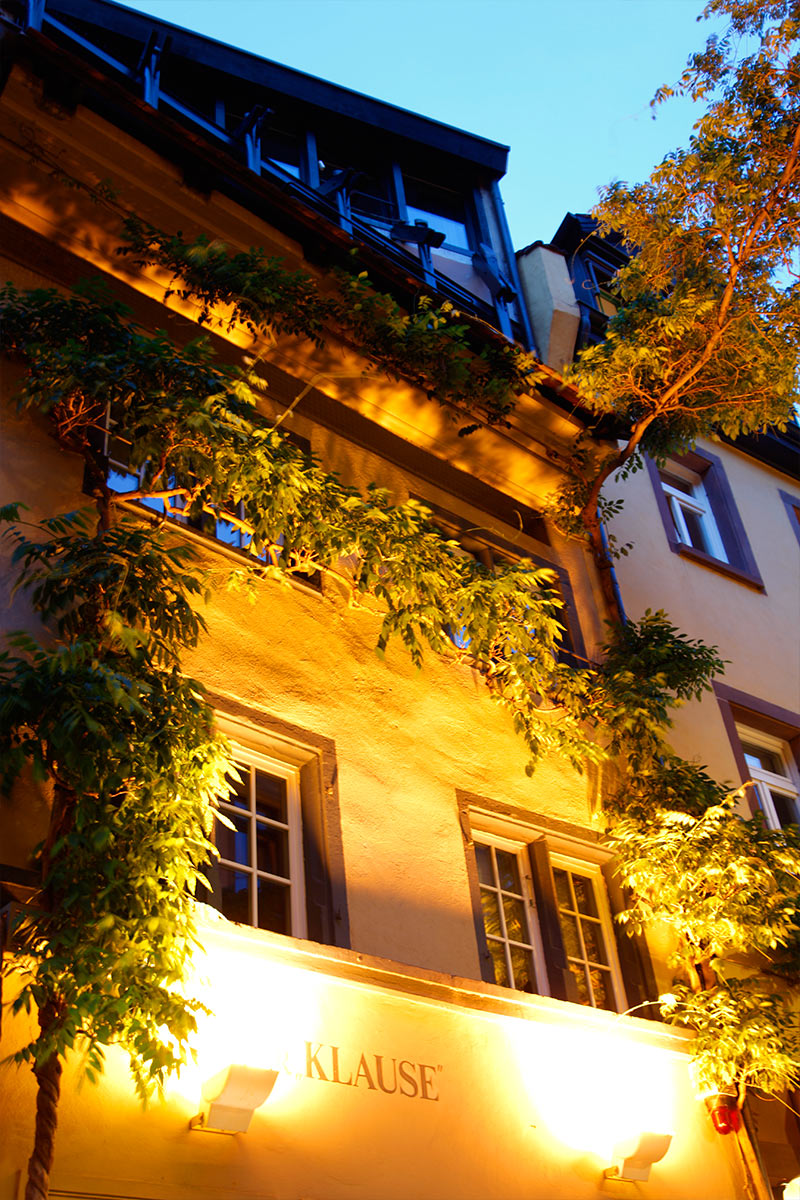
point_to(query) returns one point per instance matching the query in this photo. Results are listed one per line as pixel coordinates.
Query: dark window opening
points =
(445, 211)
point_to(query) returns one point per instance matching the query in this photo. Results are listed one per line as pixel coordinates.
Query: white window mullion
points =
(297, 896)
(772, 771)
(251, 833)
(677, 516)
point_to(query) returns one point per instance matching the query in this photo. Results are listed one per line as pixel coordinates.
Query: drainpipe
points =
(508, 250)
(614, 580)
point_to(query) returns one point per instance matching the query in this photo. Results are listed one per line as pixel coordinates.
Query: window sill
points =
(723, 568)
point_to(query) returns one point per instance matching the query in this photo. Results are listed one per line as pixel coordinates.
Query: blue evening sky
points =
(565, 83)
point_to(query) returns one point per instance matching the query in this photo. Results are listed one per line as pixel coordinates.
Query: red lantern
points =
(725, 1115)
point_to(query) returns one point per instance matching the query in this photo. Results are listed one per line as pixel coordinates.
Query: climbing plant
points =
(452, 357)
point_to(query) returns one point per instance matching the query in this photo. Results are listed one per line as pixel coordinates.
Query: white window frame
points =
(594, 874)
(697, 503)
(284, 760)
(765, 782)
(519, 849)
(582, 858)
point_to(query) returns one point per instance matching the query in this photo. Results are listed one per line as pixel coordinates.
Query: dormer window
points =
(444, 211)
(601, 277)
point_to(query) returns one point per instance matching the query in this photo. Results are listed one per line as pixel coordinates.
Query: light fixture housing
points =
(232, 1096)
(634, 1157)
(724, 1112)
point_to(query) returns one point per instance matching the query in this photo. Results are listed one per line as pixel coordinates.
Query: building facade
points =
(716, 544)
(415, 984)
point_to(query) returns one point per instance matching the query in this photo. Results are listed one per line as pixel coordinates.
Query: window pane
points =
(761, 759)
(233, 844)
(674, 511)
(499, 959)
(234, 895)
(491, 915)
(241, 790)
(675, 481)
(784, 808)
(522, 966)
(516, 926)
(270, 796)
(695, 529)
(579, 975)
(273, 906)
(283, 149)
(230, 534)
(584, 894)
(444, 210)
(569, 931)
(601, 988)
(594, 941)
(483, 856)
(272, 850)
(371, 197)
(508, 871)
(562, 888)
(122, 481)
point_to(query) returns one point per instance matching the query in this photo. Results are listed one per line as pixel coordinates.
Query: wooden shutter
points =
(634, 957)
(559, 976)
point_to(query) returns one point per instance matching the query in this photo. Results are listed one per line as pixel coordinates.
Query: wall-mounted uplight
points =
(232, 1096)
(791, 1190)
(634, 1157)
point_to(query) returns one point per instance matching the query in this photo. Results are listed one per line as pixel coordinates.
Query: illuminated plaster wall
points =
(756, 632)
(405, 740)
(462, 1094)
(527, 1088)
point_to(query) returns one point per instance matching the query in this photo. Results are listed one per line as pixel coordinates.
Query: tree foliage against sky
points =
(705, 341)
(707, 332)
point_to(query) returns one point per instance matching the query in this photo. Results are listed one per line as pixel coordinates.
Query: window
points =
(258, 879)
(690, 510)
(700, 516)
(444, 211)
(491, 550)
(601, 280)
(765, 740)
(792, 506)
(772, 770)
(223, 524)
(585, 927)
(280, 865)
(509, 914)
(542, 913)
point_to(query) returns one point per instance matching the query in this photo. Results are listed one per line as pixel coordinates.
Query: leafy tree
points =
(100, 710)
(704, 341)
(707, 332)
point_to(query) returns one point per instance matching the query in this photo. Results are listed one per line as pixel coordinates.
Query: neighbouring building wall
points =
(748, 606)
